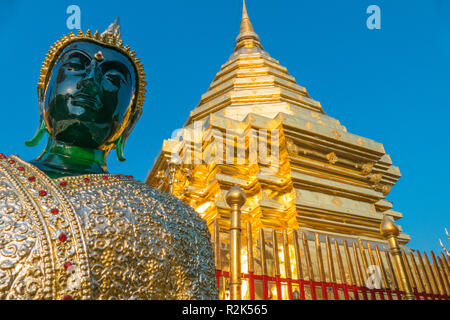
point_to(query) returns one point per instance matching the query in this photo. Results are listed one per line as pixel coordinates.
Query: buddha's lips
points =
(98, 133)
(86, 100)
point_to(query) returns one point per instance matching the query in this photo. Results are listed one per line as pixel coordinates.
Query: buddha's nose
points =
(90, 82)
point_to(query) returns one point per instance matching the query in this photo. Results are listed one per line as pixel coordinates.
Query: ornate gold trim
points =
(46, 248)
(56, 252)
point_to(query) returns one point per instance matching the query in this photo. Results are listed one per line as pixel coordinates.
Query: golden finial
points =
(235, 196)
(247, 37)
(388, 227)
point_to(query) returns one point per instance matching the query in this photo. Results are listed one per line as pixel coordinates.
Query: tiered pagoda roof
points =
(327, 180)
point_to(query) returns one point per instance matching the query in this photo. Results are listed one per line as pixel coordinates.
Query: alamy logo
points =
(198, 145)
(74, 20)
(374, 20)
(374, 280)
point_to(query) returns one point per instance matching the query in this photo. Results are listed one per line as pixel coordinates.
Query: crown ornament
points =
(111, 37)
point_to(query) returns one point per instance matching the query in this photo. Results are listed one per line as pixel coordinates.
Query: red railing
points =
(350, 292)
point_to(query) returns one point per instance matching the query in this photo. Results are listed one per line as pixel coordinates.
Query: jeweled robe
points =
(98, 236)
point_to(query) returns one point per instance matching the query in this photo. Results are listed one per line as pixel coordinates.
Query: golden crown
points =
(110, 38)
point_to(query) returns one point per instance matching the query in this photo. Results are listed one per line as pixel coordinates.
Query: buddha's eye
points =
(115, 78)
(73, 66)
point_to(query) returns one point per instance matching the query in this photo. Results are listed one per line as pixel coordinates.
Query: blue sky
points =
(390, 85)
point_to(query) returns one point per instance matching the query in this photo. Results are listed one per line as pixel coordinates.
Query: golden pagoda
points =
(327, 180)
(301, 172)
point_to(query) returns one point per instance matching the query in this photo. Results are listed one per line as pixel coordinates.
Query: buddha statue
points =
(71, 230)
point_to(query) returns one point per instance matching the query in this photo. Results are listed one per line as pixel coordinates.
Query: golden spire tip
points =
(246, 32)
(246, 24)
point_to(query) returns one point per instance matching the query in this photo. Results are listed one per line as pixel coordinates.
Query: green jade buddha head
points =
(90, 94)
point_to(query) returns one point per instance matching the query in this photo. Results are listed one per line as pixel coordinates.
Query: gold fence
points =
(300, 264)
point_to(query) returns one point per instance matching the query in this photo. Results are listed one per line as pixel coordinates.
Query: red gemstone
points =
(67, 265)
(63, 184)
(21, 168)
(54, 211)
(12, 161)
(86, 180)
(62, 237)
(32, 178)
(99, 56)
(105, 178)
(2, 156)
(68, 297)
(42, 193)
(117, 177)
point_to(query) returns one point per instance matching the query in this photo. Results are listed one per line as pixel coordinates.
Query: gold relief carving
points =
(160, 174)
(332, 158)
(21, 266)
(122, 239)
(315, 115)
(269, 194)
(309, 126)
(383, 188)
(375, 177)
(360, 141)
(62, 238)
(367, 168)
(335, 133)
(337, 201)
(291, 146)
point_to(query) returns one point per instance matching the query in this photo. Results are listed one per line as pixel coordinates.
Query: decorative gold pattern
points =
(375, 177)
(367, 168)
(332, 158)
(98, 237)
(22, 262)
(384, 188)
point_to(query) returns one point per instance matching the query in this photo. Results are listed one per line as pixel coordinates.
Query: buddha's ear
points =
(120, 142)
(42, 128)
(119, 148)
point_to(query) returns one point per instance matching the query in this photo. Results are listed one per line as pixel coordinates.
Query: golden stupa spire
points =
(247, 37)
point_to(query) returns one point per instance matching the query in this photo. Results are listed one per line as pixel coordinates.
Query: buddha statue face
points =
(91, 89)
